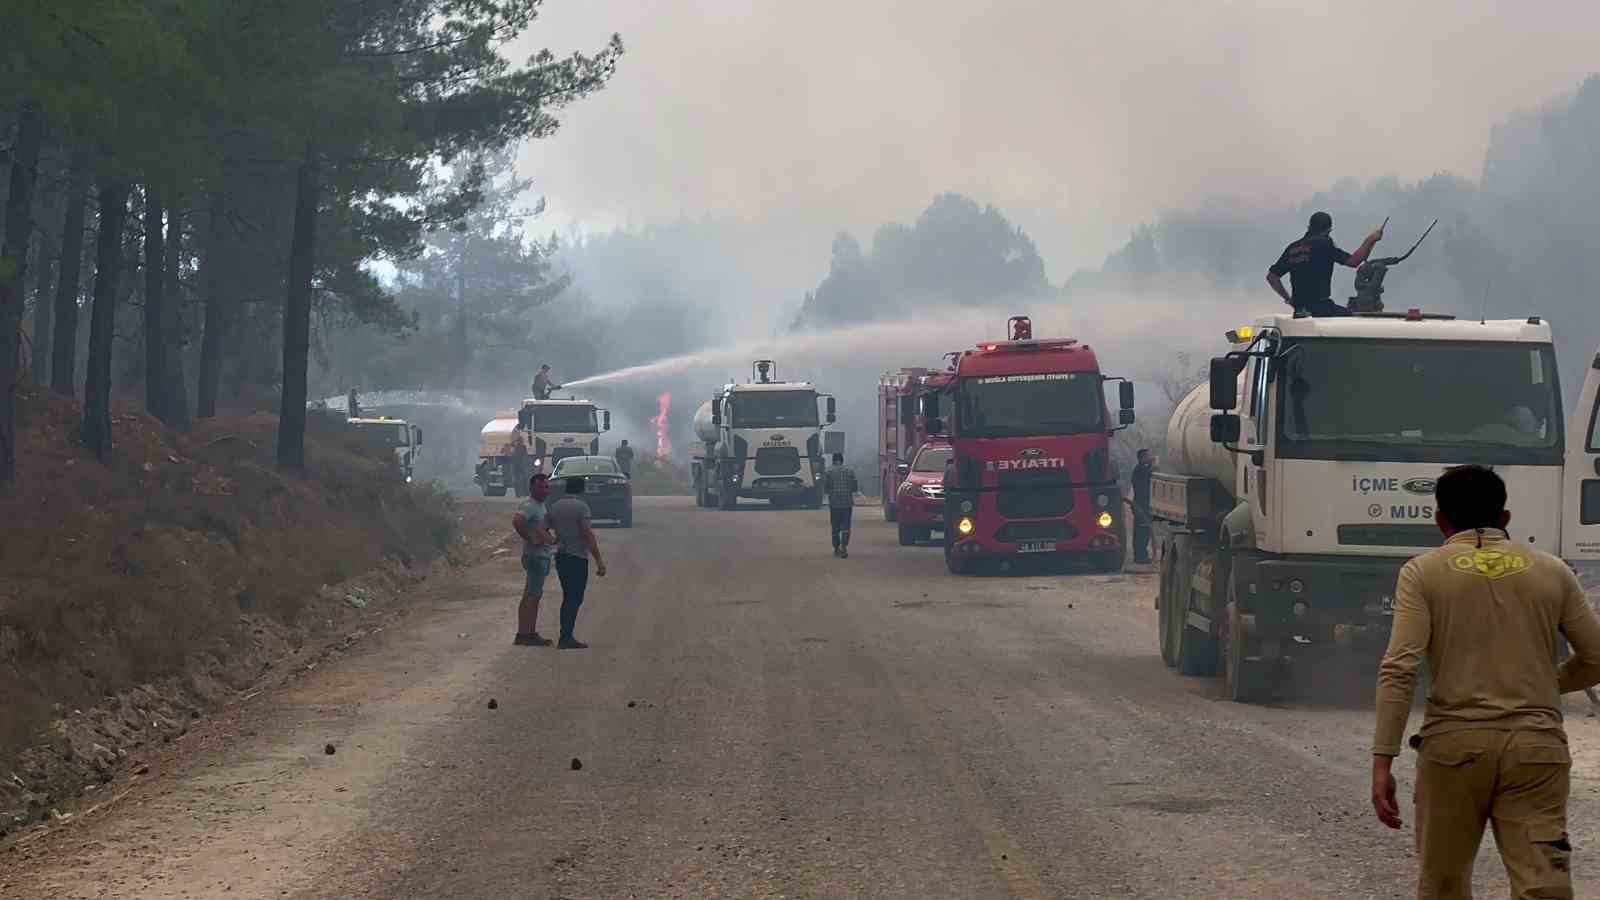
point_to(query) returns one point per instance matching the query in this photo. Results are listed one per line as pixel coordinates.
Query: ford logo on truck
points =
(1419, 485)
(1032, 452)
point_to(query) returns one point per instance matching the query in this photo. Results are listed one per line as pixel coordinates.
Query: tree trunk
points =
(297, 318)
(216, 307)
(174, 392)
(155, 326)
(64, 352)
(48, 264)
(102, 321)
(13, 268)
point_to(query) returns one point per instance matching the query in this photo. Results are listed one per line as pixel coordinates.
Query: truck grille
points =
(1390, 535)
(777, 460)
(1036, 531)
(1034, 503)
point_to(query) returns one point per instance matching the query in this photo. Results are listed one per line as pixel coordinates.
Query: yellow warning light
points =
(1244, 334)
(964, 526)
(1104, 520)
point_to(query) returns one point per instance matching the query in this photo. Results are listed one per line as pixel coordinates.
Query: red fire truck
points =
(1031, 474)
(902, 427)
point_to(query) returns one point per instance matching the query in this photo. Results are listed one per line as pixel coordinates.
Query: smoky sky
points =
(1079, 120)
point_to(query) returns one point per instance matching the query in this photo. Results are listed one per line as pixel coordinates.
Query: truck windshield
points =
(1026, 405)
(1420, 401)
(775, 409)
(389, 433)
(564, 419)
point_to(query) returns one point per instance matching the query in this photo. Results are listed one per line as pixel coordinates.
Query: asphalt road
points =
(758, 719)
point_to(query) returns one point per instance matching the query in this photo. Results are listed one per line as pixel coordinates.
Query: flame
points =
(663, 442)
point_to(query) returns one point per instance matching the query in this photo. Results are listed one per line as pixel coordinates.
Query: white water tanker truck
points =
(1302, 478)
(760, 439)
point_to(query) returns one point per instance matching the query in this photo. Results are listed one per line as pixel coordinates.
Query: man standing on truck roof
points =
(840, 483)
(543, 387)
(624, 458)
(1142, 471)
(538, 549)
(1309, 264)
(1488, 614)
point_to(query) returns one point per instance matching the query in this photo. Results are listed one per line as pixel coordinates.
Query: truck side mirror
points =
(1224, 428)
(418, 434)
(1125, 397)
(930, 406)
(936, 425)
(1124, 417)
(1224, 383)
(605, 420)
(832, 411)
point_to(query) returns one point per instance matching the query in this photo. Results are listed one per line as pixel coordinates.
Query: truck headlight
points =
(964, 526)
(1104, 520)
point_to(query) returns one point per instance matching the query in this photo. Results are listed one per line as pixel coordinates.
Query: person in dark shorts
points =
(840, 484)
(571, 522)
(538, 550)
(1309, 264)
(1142, 471)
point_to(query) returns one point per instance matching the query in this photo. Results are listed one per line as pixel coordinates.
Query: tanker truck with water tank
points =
(761, 439)
(550, 430)
(1301, 478)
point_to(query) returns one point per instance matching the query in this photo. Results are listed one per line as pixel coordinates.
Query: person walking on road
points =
(572, 523)
(624, 458)
(1488, 614)
(1142, 471)
(840, 484)
(538, 550)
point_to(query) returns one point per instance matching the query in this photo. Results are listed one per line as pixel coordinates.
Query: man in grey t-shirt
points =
(570, 520)
(538, 550)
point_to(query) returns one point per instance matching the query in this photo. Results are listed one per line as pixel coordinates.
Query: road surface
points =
(758, 719)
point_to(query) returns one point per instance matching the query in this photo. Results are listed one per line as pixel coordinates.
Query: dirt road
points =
(754, 719)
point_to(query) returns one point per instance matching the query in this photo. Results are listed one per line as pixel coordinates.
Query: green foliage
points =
(957, 254)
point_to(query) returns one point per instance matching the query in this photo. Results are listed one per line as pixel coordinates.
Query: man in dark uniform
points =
(1141, 505)
(1309, 264)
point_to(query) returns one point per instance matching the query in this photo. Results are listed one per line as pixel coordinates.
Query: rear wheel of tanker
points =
(908, 535)
(1194, 651)
(1247, 675)
(1164, 611)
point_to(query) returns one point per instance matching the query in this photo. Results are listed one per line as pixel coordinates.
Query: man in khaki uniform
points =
(1486, 612)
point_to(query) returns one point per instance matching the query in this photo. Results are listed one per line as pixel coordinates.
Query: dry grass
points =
(112, 575)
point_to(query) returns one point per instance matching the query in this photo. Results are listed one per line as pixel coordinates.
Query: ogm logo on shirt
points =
(1489, 563)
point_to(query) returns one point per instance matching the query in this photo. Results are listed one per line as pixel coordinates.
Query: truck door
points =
(1580, 496)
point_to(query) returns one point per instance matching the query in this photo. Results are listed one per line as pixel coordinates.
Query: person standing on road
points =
(538, 550)
(624, 458)
(1309, 264)
(572, 523)
(519, 459)
(1142, 471)
(1488, 614)
(840, 484)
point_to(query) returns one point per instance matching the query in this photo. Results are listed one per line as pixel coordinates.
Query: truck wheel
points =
(726, 497)
(1194, 651)
(1247, 676)
(955, 564)
(1165, 613)
(908, 535)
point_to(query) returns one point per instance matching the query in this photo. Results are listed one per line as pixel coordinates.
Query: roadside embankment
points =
(138, 593)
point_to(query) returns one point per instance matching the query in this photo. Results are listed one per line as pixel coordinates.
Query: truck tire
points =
(1164, 608)
(727, 497)
(1194, 651)
(1247, 676)
(908, 535)
(955, 564)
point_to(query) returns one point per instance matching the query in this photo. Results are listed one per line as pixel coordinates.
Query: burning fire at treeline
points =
(663, 441)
